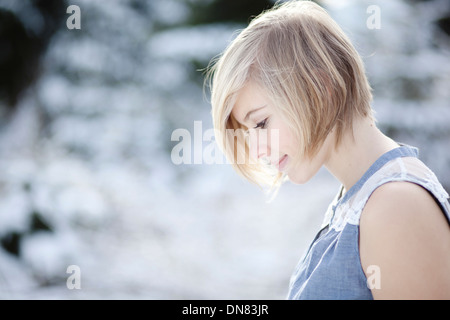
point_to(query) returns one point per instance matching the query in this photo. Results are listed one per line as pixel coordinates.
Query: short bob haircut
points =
(309, 69)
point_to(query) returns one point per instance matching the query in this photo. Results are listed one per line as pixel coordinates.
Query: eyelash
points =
(261, 124)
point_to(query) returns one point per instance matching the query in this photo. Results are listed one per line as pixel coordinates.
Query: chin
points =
(299, 178)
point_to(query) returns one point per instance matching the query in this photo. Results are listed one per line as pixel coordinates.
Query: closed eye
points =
(262, 124)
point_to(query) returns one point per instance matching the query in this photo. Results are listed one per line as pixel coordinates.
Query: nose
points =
(259, 146)
(263, 147)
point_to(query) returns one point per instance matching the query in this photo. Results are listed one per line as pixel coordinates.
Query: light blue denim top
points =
(331, 267)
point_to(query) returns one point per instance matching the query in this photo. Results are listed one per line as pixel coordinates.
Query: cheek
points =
(302, 172)
(281, 143)
(286, 143)
(304, 169)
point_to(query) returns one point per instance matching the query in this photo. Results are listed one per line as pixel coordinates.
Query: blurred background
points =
(86, 117)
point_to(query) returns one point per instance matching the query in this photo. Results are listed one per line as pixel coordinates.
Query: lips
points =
(281, 165)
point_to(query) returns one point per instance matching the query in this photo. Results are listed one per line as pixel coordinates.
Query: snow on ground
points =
(207, 239)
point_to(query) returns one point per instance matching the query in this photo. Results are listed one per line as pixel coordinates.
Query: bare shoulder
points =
(401, 200)
(404, 232)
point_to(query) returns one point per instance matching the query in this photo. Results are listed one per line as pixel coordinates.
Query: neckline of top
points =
(401, 151)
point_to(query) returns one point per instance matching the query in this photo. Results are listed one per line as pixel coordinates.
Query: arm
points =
(404, 232)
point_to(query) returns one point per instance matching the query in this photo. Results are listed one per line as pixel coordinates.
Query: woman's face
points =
(270, 137)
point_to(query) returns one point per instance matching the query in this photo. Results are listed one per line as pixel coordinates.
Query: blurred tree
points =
(18, 58)
(236, 11)
(443, 21)
(221, 11)
(23, 41)
(444, 24)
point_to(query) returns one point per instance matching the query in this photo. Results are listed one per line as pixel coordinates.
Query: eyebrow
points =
(252, 111)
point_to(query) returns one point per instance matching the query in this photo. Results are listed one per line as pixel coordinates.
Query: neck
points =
(358, 152)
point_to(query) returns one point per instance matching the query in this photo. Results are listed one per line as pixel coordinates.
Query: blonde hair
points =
(307, 66)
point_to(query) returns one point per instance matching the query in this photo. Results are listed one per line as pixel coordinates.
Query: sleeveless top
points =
(331, 267)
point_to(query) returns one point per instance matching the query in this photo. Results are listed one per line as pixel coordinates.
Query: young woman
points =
(294, 72)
